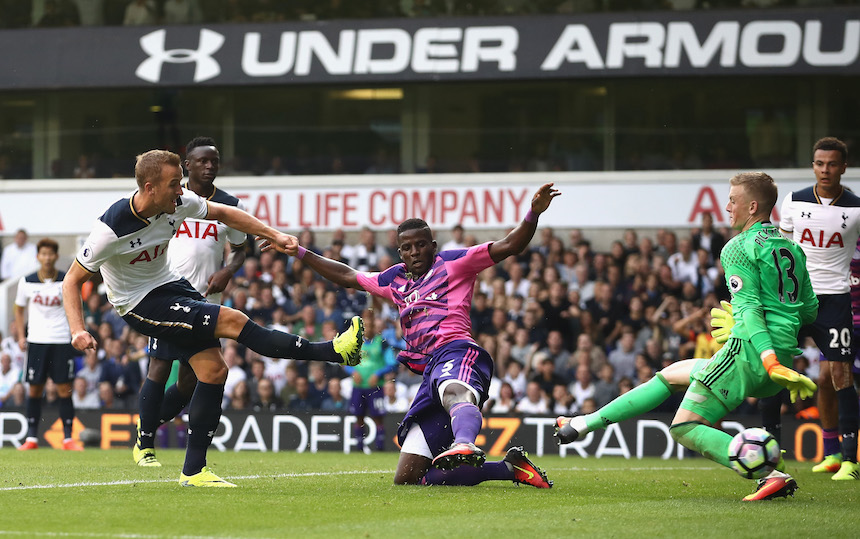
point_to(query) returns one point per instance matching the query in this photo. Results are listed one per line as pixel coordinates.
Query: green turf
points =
(334, 495)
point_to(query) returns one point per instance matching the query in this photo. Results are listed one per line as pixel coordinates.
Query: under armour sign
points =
(205, 68)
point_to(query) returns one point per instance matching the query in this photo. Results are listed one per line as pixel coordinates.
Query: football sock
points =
(149, 402)
(204, 414)
(173, 403)
(34, 414)
(643, 398)
(468, 476)
(770, 415)
(358, 434)
(849, 421)
(274, 343)
(465, 422)
(831, 441)
(67, 415)
(708, 441)
(380, 438)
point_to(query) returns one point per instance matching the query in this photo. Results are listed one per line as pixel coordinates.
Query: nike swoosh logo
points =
(531, 474)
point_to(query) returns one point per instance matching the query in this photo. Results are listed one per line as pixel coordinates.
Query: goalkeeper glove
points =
(797, 384)
(722, 322)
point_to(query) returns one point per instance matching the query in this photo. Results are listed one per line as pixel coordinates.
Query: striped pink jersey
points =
(855, 284)
(434, 308)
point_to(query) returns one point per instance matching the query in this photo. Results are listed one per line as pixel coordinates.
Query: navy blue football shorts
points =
(177, 319)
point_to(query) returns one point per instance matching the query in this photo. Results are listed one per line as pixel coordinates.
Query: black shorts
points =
(54, 360)
(177, 319)
(833, 330)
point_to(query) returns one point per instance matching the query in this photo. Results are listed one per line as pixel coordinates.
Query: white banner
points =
(611, 200)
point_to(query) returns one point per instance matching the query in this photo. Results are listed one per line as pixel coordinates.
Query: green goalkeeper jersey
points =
(772, 296)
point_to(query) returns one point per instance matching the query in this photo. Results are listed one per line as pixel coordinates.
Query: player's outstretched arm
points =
(240, 220)
(218, 281)
(72, 303)
(519, 238)
(336, 272)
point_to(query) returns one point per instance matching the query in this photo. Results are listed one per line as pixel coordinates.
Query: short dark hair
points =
(49, 244)
(412, 224)
(197, 142)
(831, 144)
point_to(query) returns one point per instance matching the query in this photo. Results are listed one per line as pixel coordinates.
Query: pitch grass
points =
(49, 493)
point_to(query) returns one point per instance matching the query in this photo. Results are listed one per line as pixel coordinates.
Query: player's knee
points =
(186, 382)
(64, 391)
(230, 323)
(159, 370)
(455, 394)
(679, 431)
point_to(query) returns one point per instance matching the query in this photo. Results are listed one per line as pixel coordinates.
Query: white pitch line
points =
(239, 477)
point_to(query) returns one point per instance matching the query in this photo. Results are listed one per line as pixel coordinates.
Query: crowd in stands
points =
(570, 328)
(59, 13)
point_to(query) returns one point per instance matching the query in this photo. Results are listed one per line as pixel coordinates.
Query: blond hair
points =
(760, 187)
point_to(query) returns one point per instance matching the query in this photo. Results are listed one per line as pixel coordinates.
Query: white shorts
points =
(415, 443)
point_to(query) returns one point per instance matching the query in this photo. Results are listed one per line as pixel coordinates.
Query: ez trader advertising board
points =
(647, 435)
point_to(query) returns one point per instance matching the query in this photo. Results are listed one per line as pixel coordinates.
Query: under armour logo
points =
(205, 68)
(298, 342)
(177, 306)
(134, 243)
(805, 214)
(205, 319)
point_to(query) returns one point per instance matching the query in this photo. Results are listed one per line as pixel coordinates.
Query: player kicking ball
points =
(433, 292)
(772, 298)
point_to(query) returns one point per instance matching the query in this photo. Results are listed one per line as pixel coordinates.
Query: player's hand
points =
(217, 282)
(22, 343)
(283, 243)
(797, 384)
(82, 340)
(544, 195)
(722, 322)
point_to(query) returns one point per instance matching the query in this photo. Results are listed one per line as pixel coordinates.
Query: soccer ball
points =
(754, 453)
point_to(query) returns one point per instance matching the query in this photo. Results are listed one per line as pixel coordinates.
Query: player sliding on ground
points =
(433, 292)
(771, 298)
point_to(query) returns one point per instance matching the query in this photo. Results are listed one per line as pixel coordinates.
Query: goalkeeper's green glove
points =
(797, 384)
(722, 322)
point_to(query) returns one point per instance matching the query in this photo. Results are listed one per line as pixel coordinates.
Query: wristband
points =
(531, 217)
(301, 253)
(768, 359)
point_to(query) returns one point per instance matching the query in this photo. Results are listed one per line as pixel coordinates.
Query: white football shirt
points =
(46, 317)
(827, 232)
(131, 250)
(197, 249)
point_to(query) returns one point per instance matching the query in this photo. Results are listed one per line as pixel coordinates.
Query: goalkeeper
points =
(771, 299)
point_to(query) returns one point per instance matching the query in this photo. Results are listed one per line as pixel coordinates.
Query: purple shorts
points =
(463, 361)
(367, 402)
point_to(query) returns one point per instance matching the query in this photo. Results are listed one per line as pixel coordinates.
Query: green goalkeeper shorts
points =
(720, 384)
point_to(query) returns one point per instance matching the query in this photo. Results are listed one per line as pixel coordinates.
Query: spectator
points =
(9, 376)
(456, 241)
(556, 353)
(684, 263)
(605, 387)
(583, 388)
(303, 400)
(19, 257)
(267, 399)
(334, 402)
(82, 397)
(365, 256)
(623, 358)
(182, 12)
(546, 377)
(140, 13)
(563, 402)
(84, 169)
(534, 402)
(240, 397)
(392, 402)
(235, 373)
(708, 238)
(91, 12)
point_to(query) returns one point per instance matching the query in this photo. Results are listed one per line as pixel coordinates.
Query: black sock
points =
(770, 415)
(173, 403)
(34, 414)
(204, 414)
(67, 415)
(149, 404)
(849, 417)
(274, 343)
